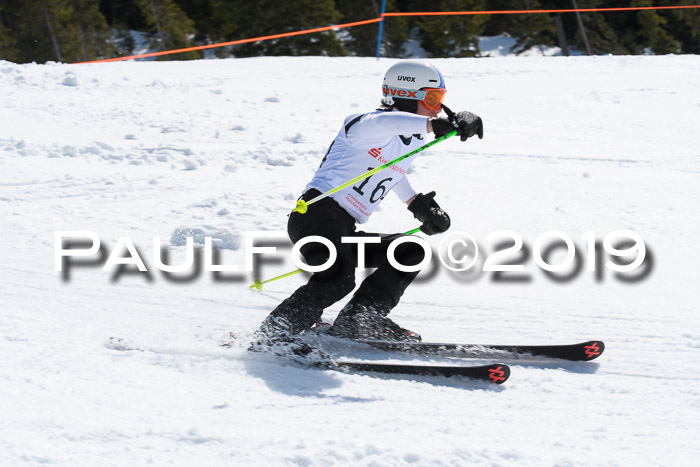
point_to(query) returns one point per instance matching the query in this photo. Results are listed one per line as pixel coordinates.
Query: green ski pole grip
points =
(302, 207)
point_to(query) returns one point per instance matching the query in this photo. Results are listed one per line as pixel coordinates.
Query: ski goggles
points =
(430, 97)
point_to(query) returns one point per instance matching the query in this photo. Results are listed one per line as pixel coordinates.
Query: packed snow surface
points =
(218, 148)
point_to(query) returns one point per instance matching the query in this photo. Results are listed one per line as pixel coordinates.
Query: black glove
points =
(466, 123)
(426, 210)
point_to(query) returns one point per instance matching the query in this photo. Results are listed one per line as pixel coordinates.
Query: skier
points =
(412, 100)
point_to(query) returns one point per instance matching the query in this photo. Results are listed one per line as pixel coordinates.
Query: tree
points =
(170, 27)
(56, 30)
(123, 14)
(652, 30)
(529, 30)
(363, 39)
(265, 17)
(452, 36)
(602, 37)
(230, 20)
(685, 26)
(215, 21)
(93, 32)
(82, 30)
(41, 30)
(8, 51)
(649, 31)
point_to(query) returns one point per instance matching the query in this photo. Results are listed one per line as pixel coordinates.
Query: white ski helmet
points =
(408, 82)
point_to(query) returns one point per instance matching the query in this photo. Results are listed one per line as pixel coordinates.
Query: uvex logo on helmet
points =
(389, 91)
(411, 79)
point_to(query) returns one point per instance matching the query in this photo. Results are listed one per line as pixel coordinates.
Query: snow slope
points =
(223, 147)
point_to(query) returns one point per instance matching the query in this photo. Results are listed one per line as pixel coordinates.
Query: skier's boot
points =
(277, 335)
(361, 319)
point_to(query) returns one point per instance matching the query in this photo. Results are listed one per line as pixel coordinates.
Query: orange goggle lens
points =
(433, 98)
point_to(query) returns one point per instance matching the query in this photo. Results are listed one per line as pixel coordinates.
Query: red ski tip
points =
(499, 374)
(593, 350)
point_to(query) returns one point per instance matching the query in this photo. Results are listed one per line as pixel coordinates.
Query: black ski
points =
(584, 351)
(496, 373)
(299, 351)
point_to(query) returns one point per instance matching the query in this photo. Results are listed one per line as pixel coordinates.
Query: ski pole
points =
(302, 205)
(258, 284)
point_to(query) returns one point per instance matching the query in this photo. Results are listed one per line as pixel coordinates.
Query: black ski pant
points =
(383, 287)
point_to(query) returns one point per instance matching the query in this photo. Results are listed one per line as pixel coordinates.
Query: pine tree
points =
(171, 27)
(684, 25)
(42, 30)
(56, 30)
(122, 17)
(602, 37)
(8, 51)
(652, 32)
(62, 29)
(452, 36)
(529, 30)
(363, 39)
(123, 14)
(265, 17)
(93, 32)
(215, 21)
(610, 32)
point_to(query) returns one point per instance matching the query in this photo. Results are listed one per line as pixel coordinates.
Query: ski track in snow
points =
(218, 148)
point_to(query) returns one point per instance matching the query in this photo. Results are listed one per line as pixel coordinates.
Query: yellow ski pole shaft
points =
(302, 205)
(258, 284)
